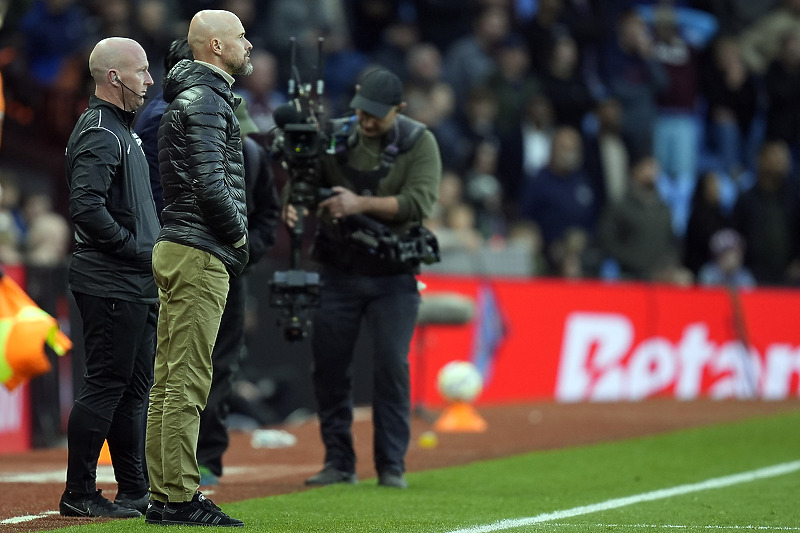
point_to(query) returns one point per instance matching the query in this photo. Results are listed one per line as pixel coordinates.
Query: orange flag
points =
(24, 331)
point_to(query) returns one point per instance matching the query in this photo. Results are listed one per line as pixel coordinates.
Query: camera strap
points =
(403, 136)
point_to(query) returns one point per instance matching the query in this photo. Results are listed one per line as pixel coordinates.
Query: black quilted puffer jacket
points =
(202, 167)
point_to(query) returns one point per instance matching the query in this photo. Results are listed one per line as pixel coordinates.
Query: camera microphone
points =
(287, 114)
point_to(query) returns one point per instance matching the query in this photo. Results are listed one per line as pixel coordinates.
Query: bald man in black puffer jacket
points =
(203, 242)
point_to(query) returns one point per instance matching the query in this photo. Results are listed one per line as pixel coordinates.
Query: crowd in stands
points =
(617, 139)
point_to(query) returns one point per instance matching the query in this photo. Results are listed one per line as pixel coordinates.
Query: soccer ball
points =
(459, 381)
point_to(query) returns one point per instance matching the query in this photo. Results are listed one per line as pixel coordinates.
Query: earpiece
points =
(116, 78)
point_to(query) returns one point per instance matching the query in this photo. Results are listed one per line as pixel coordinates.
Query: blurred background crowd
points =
(580, 138)
(607, 139)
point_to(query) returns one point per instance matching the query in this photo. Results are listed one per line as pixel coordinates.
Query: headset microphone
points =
(142, 96)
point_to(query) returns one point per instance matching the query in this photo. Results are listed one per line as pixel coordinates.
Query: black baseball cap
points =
(380, 90)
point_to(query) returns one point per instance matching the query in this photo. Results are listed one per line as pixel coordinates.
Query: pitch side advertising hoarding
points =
(15, 430)
(574, 341)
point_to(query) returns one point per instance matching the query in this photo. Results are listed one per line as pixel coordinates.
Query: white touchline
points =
(679, 526)
(714, 483)
(26, 518)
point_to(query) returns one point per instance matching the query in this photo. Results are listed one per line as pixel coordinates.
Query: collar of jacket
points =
(126, 117)
(188, 73)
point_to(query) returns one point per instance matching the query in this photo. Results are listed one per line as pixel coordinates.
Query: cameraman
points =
(387, 167)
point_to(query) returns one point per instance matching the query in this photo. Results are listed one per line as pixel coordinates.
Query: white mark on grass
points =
(679, 526)
(26, 518)
(616, 503)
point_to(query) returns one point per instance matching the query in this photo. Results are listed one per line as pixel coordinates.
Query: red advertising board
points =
(15, 427)
(592, 341)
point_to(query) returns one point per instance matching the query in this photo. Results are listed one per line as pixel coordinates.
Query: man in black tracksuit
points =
(111, 278)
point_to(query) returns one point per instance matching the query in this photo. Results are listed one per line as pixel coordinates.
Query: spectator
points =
(484, 192)
(633, 76)
(607, 158)
(736, 16)
(706, 217)
(458, 232)
(732, 99)
(155, 29)
(443, 22)
(677, 133)
(512, 82)
(469, 61)
(372, 18)
(560, 196)
(761, 42)
(305, 21)
(766, 216)
(10, 234)
(542, 32)
(53, 31)
(477, 126)
(114, 17)
(637, 232)
(47, 244)
(525, 150)
(451, 194)
(725, 266)
(564, 86)
(397, 43)
(782, 83)
(430, 100)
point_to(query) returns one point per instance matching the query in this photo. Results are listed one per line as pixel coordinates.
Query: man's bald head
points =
(217, 37)
(114, 53)
(118, 64)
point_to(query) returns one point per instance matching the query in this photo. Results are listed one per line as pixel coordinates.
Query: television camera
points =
(297, 144)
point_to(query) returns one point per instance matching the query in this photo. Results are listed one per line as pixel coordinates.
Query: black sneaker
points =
(140, 503)
(92, 505)
(154, 512)
(330, 475)
(199, 512)
(392, 479)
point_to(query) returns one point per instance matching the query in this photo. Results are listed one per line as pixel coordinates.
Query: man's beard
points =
(245, 68)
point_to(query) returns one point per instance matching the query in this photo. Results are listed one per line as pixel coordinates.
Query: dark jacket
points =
(146, 126)
(111, 207)
(201, 165)
(263, 204)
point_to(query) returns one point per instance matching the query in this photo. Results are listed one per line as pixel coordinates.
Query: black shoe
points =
(129, 502)
(330, 475)
(391, 479)
(92, 505)
(199, 512)
(154, 512)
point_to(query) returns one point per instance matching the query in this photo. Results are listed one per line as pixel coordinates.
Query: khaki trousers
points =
(192, 288)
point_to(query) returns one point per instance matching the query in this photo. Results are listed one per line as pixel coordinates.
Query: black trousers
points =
(118, 343)
(226, 358)
(387, 306)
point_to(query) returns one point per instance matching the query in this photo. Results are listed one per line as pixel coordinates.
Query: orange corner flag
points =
(24, 331)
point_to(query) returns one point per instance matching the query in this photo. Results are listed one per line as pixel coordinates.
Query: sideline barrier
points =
(571, 341)
(15, 413)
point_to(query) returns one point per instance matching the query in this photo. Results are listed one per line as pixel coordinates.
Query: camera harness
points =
(366, 235)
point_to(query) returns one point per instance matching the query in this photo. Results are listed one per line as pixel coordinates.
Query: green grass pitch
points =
(561, 490)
